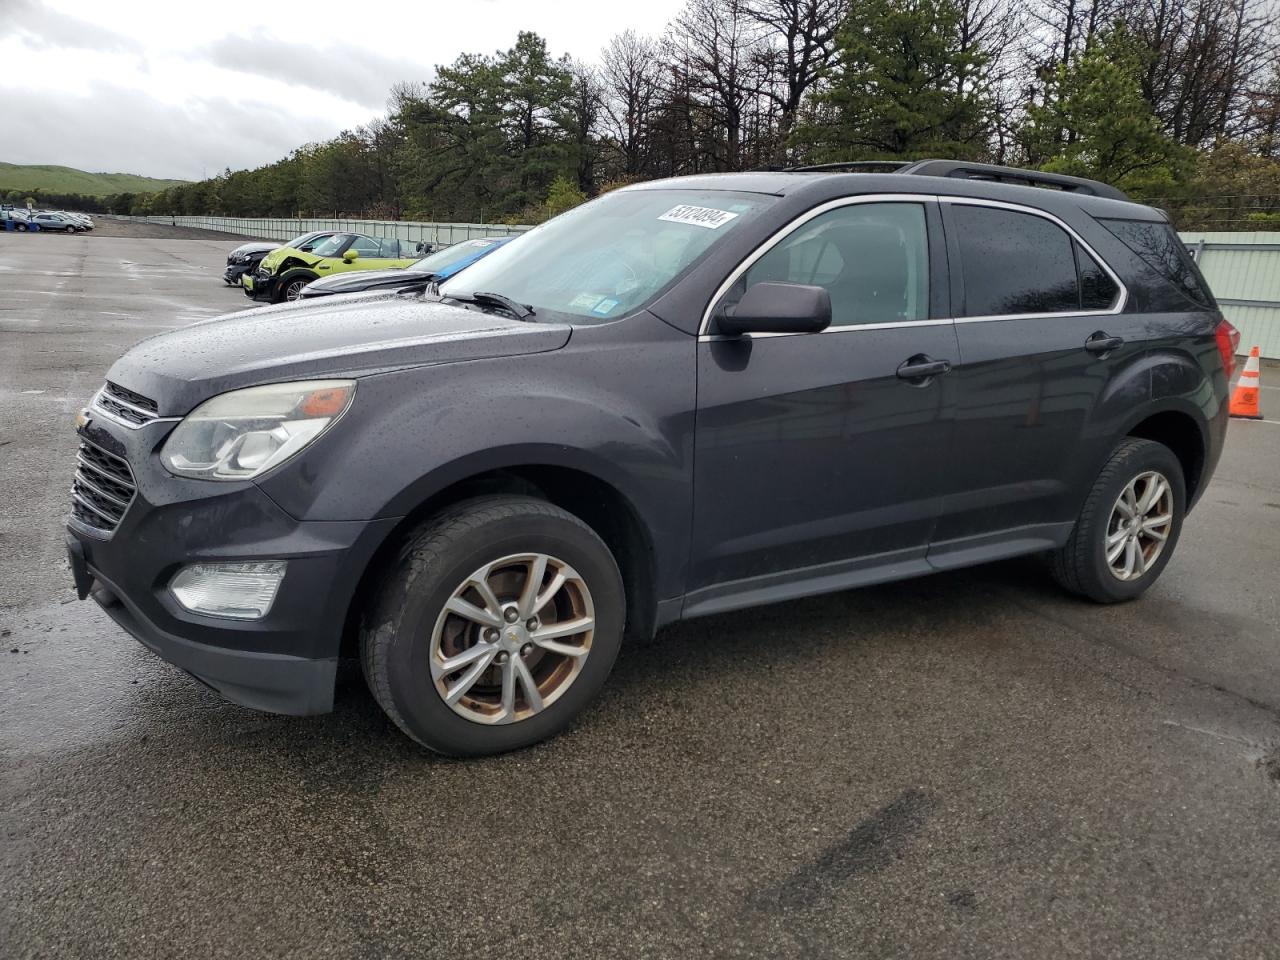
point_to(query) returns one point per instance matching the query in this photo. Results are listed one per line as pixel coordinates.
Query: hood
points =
(278, 255)
(346, 336)
(255, 247)
(354, 280)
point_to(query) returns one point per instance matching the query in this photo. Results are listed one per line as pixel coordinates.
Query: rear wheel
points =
(498, 624)
(1129, 526)
(21, 228)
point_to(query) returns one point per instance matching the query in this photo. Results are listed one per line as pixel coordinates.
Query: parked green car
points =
(284, 272)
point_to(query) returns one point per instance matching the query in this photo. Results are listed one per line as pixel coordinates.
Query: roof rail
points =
(852, 166)
(963, 170)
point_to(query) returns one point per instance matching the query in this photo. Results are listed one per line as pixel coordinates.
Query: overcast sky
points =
(174, 88)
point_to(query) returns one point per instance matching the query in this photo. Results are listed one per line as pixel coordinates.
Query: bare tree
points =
(630, 78)
(797, 45)
(716, 45)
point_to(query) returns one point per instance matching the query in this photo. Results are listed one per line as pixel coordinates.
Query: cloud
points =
(122, 129)
(358, 75)
(43, 27)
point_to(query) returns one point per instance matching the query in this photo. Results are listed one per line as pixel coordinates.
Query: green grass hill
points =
(15, 176)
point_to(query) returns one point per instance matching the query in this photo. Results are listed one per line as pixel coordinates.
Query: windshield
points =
(442, 260)
(606, 258)
(330, 247)
(299, 240)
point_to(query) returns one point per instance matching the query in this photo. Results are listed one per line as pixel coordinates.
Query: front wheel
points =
(22, 228)
(1129, 525)
(291, 289)
(499, 622)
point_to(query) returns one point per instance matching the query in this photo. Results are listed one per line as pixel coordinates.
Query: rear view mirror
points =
(350, 255)
(771, 307)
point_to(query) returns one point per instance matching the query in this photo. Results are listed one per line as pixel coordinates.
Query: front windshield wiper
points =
(483, 297)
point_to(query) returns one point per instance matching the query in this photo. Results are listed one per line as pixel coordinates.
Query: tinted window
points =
(307, 238)
(1159, 246)
(367, 247)
(1097, 290)
(1014, 263)
(331, 247)
(872, 258)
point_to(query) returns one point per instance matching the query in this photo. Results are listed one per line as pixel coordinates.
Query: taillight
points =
(1228, 343)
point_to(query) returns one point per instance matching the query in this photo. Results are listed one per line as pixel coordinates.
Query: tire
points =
(407, 635)
(293, 285)
(21, 228)
(1082, 565)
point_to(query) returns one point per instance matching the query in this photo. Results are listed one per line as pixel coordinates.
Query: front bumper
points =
(259, 285)
(284, 662)
(235, 271)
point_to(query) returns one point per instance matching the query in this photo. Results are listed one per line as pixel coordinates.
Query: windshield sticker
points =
(604, 306)
(707, 217)
(586, 300)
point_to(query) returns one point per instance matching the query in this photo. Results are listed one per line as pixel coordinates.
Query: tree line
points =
(1176, 101)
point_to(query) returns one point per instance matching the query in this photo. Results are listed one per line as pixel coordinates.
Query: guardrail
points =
(286, 228)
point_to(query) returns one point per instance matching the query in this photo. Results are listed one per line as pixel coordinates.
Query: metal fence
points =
(1243, 270)
(283, 228)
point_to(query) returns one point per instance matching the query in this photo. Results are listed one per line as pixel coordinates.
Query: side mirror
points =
(350, 255)
(771, 307)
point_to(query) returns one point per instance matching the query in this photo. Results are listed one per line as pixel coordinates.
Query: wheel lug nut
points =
(532, 624)
(491, 635)
(502, 658)
(526, 650)
(511, 615)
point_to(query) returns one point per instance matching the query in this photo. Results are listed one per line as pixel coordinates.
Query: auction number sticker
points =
(707, 217)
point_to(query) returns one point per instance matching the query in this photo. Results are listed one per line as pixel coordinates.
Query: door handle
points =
(922, 367)
(1101, 343)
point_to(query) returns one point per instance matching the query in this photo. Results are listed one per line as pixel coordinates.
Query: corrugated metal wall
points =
(1243, 270)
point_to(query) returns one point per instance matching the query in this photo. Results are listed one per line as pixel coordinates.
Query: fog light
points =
(242, 591)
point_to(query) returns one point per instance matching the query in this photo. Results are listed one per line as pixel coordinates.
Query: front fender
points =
(616, 403)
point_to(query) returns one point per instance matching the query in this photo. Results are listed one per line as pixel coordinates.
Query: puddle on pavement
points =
(78, 679)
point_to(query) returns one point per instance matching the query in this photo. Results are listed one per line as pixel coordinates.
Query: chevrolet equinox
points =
(685, 397)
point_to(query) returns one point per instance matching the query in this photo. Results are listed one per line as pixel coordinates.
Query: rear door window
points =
(1014, 263)
(1162, 250)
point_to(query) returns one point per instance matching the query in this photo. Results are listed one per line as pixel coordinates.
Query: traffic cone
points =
(1244, 402)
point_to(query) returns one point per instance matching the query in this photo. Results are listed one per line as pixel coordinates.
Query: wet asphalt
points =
(967, 765)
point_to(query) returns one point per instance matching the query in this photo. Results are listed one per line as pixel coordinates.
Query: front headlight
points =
(238, 435)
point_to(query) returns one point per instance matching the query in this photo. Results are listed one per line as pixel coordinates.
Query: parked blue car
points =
(435, 268)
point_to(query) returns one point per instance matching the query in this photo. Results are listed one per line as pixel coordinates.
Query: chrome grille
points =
(124, 404)
(103, 488)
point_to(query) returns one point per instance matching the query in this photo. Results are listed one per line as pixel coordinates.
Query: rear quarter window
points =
(1162, 250)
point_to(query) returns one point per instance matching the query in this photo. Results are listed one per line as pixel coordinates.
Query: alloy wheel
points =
(1139, 525)
(512, 638)
(294, 290)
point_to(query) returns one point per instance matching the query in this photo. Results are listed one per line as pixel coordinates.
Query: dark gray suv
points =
(683, 398)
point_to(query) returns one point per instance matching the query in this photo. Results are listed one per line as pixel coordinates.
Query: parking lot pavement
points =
(966, 765)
